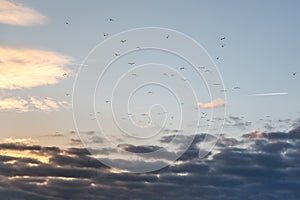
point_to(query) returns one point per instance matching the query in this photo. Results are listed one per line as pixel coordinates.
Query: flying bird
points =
(223, 45)
(117, 54)
(167, 37)
(105, 34)
(123, 41)
(294, 73)
(218, 57)
(111, 20)
(67, 94)
(181, 68)
(133, 74)
(107, 101)
(222, 38)
(131, 63)
(67, 23)
(237, 88)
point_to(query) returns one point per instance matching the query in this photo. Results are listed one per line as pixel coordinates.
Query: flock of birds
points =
(203, 114)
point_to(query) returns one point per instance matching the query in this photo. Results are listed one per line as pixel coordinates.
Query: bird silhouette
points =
(105, 34)
(181, 68)
(294, 73)
(123, 41)
(111, 20)
(131, 63)
(117, 54)
(222, 38)
(167, 37)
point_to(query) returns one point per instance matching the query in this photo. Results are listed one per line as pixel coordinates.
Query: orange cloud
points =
(213, 104)
(12, 13)
(26, 68)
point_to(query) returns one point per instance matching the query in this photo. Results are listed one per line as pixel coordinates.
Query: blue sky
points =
(260, 53)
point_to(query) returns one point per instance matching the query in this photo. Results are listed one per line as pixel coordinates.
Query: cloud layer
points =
(12, 13)
(26, 68)
(262, 167)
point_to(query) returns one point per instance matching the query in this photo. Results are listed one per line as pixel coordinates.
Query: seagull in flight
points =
(111, 20)
(218, 57)
(107, 101)
(123, 41)
(222, 38)
(67, 23)
(105, 34)
(237, 88)
(131, 63)
(167, 37)
(181, 68)
(223, 45)
(294, 73)
(117, 54)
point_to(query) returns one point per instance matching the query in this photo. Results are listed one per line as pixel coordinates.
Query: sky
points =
(147, 95)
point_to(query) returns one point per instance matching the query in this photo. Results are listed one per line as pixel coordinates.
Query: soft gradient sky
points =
(260, 54)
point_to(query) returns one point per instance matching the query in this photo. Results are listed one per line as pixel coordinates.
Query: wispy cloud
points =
(21, 105)
(213, 104)
(26, 68)
(12, 13)
(48, 104)
(269, 94)
(17, 104)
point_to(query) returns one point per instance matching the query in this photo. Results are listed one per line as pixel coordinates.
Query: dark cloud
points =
(266, 166)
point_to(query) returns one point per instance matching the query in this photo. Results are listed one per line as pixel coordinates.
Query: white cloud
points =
(17, 14)
(26, 68)
(48, 104)
(213, 104)
(17, 104)
(21, 105)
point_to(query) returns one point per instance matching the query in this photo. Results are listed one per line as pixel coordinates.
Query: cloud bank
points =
(258, 166)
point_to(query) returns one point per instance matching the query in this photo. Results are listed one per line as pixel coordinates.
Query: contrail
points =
(269, 94)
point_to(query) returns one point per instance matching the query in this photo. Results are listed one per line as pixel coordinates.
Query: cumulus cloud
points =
(213, 104)
(12, 13)
(26, 68)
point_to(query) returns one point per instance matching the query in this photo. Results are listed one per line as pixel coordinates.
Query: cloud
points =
(269, 94)
(26, 68)
(258, 169)
(213, 104)
(48, 104)
(18, 104)
(17, 14)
